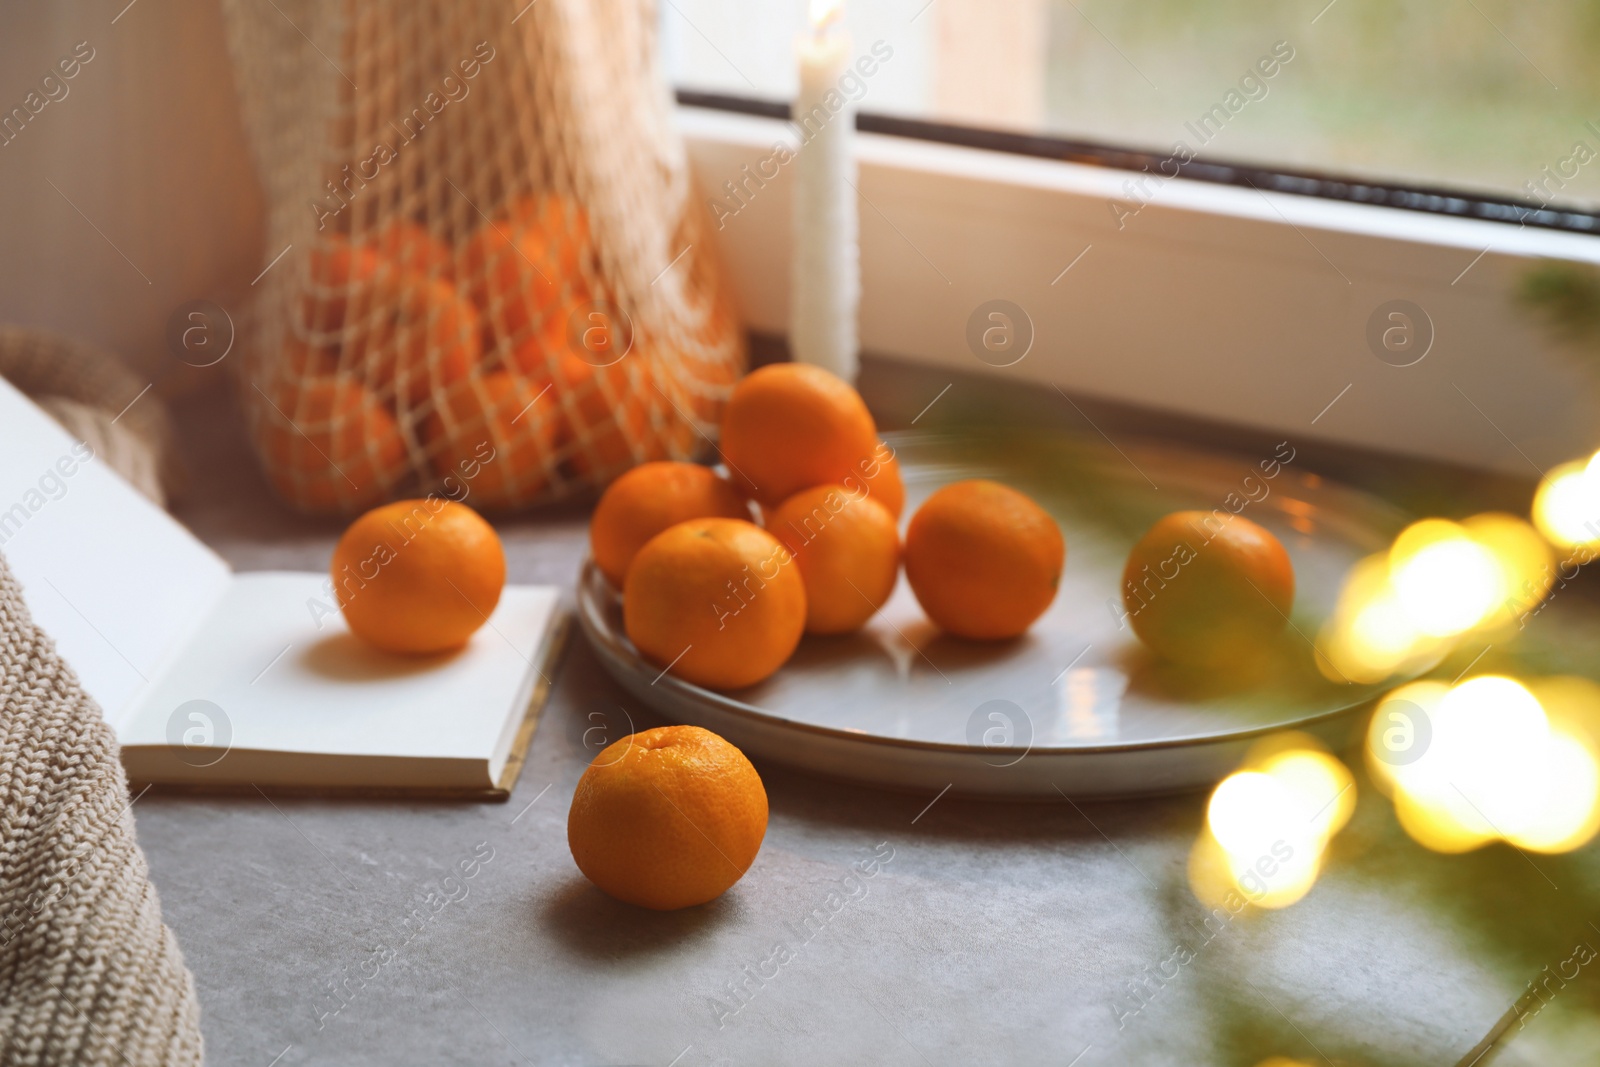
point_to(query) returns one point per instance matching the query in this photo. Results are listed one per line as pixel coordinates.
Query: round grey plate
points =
(1076, 706)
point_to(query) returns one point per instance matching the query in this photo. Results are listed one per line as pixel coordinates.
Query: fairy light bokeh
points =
(1482, 760)
(1567, 506)
(1401, 610)
(1269, 824)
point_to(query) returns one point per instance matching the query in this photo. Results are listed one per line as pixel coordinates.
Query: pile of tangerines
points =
(722, 601)
(485, 353)
(673, 816)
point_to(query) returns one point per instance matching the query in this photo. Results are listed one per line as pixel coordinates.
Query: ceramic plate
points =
(1076, 706)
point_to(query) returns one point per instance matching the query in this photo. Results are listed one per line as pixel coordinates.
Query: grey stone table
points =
(330, 931)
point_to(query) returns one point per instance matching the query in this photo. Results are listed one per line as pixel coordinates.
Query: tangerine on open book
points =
(667, 818)
(983, 559)
(418, 576)
(717, 602)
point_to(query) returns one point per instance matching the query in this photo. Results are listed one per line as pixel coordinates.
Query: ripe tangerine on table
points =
(667, 818)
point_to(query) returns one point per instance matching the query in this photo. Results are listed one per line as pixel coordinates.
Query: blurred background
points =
(1499, 96)
(1494, 90)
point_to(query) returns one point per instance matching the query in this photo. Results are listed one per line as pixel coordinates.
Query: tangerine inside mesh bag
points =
(497, 282)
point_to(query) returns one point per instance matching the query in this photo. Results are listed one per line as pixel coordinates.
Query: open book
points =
(230, 680)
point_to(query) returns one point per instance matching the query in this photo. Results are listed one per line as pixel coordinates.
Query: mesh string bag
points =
(498, 282)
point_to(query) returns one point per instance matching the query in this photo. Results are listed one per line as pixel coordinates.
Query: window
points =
(1497, 98)
(1227, 298)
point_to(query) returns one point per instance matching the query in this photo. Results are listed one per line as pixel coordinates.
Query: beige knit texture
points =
(88, 972)
(100, 401)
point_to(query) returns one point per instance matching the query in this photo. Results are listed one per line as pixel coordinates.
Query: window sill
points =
(1207, 301)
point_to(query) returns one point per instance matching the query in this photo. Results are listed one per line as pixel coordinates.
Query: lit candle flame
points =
(825, 14)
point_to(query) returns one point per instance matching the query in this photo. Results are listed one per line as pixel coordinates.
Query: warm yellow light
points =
(1445, 581)
(1275, 878)
(1569, 814)
(1246, 813)
(1438, 827)
(1370, 634)
(825, 13)
(1383, 631)
(1322, 789)
(1571, 704)
(1567, 506)
(1268, 825)
(1401, 731)
(1523, 560)
(1490, 742)
(1493, 766)
(1479, 777)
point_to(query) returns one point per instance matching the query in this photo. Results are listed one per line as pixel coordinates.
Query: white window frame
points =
(1213, 301)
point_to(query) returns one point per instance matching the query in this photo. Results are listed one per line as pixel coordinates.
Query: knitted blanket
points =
(88, 972)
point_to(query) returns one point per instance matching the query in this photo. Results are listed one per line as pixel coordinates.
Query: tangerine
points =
(418, 576)
(330, 446)
(983, 559)
(715, 601)
(790, 426)
(647, 500)
(1207, 588)
(667, 818)
(493, 434)
(848, 550)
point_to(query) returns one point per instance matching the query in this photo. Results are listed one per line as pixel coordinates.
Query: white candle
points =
(827, 261)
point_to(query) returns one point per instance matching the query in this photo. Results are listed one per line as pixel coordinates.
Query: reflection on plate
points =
(1076, 705)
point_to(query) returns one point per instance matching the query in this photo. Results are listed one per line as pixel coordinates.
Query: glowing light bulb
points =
(1441, 826)
(1322, 789)
(1370, 634)
(1268, 825)
(1570, 813)
(1490, 738)
(1401, 731)
(1567, 506)
(1445, 581)
(1523, 560)
(1245, 812)
(1496, 768)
